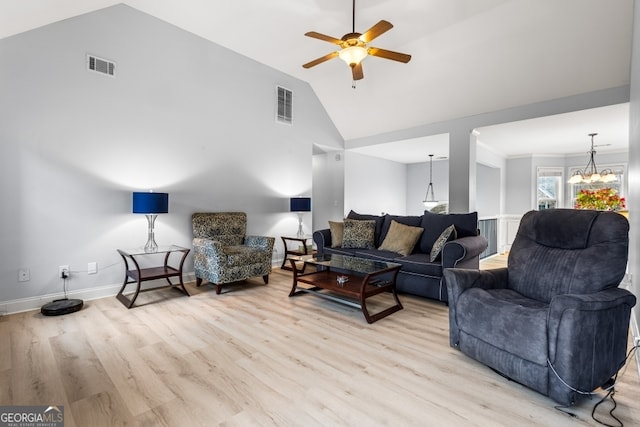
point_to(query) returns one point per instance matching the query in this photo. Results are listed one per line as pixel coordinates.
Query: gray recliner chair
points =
(554, 320)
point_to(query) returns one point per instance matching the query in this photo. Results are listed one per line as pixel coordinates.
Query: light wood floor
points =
(252, 356)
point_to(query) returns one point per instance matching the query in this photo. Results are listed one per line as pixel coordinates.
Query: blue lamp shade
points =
(150, 203)
(300, 204)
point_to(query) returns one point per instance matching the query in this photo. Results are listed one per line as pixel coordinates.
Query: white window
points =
(549, 185)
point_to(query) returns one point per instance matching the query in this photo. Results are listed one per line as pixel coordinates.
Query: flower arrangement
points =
(603, 199)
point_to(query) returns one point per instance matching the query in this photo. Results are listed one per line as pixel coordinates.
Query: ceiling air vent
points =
(102, 66)
(285, 106)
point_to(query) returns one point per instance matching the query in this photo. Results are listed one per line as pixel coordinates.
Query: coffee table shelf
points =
(366, 279)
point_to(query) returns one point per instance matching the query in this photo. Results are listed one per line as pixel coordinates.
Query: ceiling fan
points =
(354, 47)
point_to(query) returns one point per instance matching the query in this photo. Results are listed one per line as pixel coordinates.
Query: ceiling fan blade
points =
(356, 71)
(373, 32)
(320, 60)
(389, 54)
(323, 37)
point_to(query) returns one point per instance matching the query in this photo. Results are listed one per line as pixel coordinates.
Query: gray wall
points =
(418, 180)
(184, 116)
(521, 177)
(488, 191)
(328, 189)
(374, 185)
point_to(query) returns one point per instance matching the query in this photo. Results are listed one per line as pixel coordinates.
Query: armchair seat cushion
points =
(243, 255)
(509, 321)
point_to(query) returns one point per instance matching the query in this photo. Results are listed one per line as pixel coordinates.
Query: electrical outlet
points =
(63, 271)
(92, 268)
(24, 275)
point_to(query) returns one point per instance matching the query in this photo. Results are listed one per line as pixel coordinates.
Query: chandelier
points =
(431, 203)
(590, 173)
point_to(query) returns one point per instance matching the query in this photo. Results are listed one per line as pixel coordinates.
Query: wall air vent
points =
(284, 110)
(102, 66)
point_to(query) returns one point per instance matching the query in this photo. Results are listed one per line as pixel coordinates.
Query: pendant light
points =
(590, 173)
(431, 203)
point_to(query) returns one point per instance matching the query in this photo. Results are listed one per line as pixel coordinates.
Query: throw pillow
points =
(448, 234)
(377, 218)
(358, 234)
(401, 238)
(337, 230)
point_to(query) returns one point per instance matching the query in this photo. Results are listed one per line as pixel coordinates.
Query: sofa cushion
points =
(378, 220)
(413, 221)
(419, 264)
(506, 320)
(358, 233)
(401, 238)
(434, 224)
(337, 232)
(377, 254)
(340, 251)
(449, 233)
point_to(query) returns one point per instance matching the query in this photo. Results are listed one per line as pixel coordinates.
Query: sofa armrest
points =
(322, 239)
(263, 242)
(588, 337)
(458, 280)
(464, 251)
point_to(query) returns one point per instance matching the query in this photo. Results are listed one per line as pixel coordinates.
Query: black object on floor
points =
(61, 306)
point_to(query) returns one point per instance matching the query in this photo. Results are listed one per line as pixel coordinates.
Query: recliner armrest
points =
(587, 339)
(464, 249)
(587, 307)
(459, 280)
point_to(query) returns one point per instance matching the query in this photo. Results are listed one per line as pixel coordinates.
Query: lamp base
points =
(151, 246)
(61, 306)
(300, 233)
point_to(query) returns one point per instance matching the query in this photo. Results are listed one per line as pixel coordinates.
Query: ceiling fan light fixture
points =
(353, 55)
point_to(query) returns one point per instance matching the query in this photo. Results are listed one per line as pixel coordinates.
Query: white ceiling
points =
(468, 57)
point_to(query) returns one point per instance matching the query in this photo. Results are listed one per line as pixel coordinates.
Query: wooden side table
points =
(297, 241)
(139, 275)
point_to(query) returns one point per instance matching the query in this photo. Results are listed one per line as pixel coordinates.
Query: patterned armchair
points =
(222, 252)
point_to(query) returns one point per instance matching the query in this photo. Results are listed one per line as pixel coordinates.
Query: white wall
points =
(183, 116)
(374, 186)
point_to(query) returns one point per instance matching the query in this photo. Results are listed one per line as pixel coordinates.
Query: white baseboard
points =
(34, 303)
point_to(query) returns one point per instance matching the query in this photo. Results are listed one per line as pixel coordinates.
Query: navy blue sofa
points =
(418, 275)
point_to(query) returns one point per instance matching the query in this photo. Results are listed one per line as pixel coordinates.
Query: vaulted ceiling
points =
(468, 56)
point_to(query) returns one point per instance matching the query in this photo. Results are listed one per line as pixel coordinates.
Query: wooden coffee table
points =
(364, 279)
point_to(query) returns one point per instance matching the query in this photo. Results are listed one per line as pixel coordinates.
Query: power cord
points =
(609, 387)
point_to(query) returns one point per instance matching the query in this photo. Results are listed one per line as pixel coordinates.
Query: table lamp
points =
(300, 205)
(151, 204)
